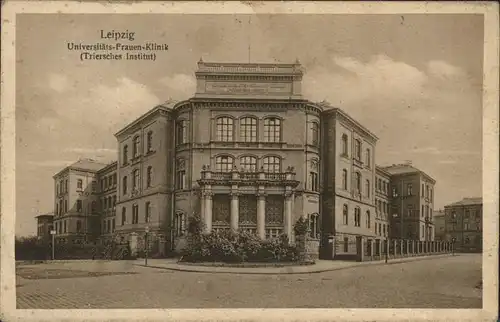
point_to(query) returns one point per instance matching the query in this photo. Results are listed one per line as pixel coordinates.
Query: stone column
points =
(234, 211)
(288, 215)
(408, 253)
(360, 249)
(261, 215)
(202, 206)
(401, 247)
(208, 212)
(395, 250)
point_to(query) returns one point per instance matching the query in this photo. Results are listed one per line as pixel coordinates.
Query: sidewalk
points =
(318, 267)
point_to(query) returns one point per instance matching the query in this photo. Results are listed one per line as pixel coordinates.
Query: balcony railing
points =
(245, 175)
(273, 232)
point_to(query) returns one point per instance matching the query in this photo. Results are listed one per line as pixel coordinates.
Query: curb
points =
(291, 271)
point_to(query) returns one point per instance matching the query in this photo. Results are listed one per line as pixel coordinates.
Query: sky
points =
(413, 80)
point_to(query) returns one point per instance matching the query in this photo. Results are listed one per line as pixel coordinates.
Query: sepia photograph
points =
(250, 160)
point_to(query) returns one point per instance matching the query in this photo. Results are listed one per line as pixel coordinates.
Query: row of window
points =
(61, 227)
(357, 183)
(136, 147)
(248, 130)
(357, 150)
(226, 163)
(108, 182)
(62, 187)
(382, 186)
(135, 213)
(357, 217)
(136, 180)
(380, 229)
(108, 226)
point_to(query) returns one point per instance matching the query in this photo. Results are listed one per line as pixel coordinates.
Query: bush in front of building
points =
(32, 248)
(231, 247)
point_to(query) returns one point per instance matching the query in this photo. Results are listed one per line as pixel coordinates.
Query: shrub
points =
(301, 227)
(230, 247)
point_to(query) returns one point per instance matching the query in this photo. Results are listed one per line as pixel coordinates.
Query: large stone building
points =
(464, 224)
(412, 198)
(247, 152)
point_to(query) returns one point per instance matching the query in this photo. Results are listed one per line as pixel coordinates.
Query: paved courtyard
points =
(447, 282)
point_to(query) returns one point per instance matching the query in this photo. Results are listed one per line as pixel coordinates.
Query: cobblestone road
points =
(438, 283)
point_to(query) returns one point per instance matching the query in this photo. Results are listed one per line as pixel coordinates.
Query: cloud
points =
(442, 69)
(57, 82)
(179, 86)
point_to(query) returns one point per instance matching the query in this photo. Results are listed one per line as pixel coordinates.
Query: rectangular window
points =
(135, 214)
(94, 186)
(148, 212)
(466, 226)
(113, 221)
(313, 176)
(124, 216)
(181, 132)
(114, 179)
(79, 184)
(79, 205)
(248, 129)
(367, 188)
(410, 189)
(181, 180)
(65, 230)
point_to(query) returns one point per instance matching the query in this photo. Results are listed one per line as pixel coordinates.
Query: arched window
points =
(357, 177)
(114, 202)
(135, 182)
(368, 219)
(345, 145)
(313, 176)
(248, 163)
(149, 176)
(315, 133)
(367, 187)
(136, 146)
(124, 185)
(224, 163)
(272, 130)
(125, 155)
(368, 158)
(147, 214)
(149, 141)
(248, 129)
(345, 213)
(225, 129)
(344, 179)
(272, 164)
(357, 149)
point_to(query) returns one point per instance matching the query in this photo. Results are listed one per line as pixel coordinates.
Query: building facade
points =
(464, 224)
(76, 206)
(45, 224)
(439, 225)
(412, 197)
(247, 152)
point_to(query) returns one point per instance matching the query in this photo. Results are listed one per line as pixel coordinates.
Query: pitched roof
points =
(87, 164)
(467, 202)
(396, 169)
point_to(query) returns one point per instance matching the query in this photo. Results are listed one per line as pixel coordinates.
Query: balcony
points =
(248, 177)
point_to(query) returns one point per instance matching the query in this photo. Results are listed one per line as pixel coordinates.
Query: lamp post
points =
(53, 234)
(146, 246)
(453, 246)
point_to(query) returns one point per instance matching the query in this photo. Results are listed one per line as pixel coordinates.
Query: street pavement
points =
(446, 282)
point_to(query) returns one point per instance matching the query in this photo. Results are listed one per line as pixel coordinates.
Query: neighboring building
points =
(412, 197)
(108, 182)
(382, 203)
(439, 225)
(246, 152)
(464, 224)
(348, 176)
(76, 216)
(44, 225)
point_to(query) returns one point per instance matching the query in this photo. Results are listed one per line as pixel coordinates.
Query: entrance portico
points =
(256, 202)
